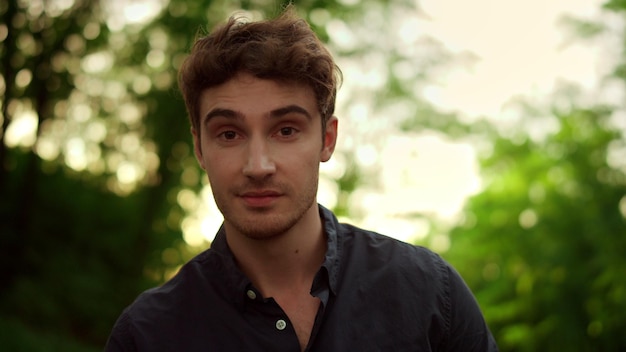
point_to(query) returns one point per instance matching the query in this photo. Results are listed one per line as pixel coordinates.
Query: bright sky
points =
(522, 51)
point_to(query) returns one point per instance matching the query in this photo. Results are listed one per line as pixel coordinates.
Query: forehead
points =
(248, 94)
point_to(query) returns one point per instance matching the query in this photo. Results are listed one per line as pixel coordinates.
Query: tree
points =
(543, 244)
(95, 154)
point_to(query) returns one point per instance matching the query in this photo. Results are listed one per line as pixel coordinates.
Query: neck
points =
(286, 262)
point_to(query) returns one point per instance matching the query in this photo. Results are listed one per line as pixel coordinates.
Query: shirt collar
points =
(236, 282)
(327, 276)
(333, 247)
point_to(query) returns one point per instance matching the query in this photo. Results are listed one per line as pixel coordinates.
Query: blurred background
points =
(493, 132)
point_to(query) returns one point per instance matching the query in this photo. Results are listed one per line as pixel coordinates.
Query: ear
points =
(197, 147)
(330, 138)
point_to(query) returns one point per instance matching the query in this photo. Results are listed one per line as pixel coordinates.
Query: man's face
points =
(259, 142)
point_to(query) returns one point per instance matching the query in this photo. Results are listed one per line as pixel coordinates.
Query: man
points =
(282, 274)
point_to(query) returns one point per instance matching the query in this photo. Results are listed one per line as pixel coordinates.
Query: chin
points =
(268, 227)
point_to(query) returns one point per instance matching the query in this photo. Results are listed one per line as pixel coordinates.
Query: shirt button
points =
(251, 294)
(281, 324)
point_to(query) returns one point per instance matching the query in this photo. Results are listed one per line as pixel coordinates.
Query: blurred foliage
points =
(89, 203)
(89, 212)
(543, 245)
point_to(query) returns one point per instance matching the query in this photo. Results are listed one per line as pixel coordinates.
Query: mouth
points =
(260, 199)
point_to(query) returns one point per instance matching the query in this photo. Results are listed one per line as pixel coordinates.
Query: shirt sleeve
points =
(121, 338)
(468, 330)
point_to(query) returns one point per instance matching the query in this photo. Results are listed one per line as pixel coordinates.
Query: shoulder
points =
(421, 284)
(376, 249)
(386, 266)
(348, 244)
(177, 309)
(187, 310)
(193, 281)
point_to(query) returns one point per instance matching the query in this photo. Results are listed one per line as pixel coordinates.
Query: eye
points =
(228, 135)
(287, 131)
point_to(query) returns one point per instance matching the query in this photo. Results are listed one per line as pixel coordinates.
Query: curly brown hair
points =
(284, 48)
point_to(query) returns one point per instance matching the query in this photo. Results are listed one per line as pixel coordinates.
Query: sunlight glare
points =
(22, 130)
(97, 62)
(75, 154)
(47, 148)
(55, 8)
(23, 78)
(187, 199)
(91, 30)
(142, 84)
(80, 112)
(192, 232)
(96, 131)
(93, 87)
(327, 192)
(203, 221)
(128, 173)
(130, 143)
(519, 45)
(407, 229)
(440, 243)
(367, 155)
(155, 58)
(334, 168)
(616, 155)
(341, 34)
(121, 13)
(129, 113)
(139, 12)
(210, 225)
(527, 219)
(426, 173)
(114, 90)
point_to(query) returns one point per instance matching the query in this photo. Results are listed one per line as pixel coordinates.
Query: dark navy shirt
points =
(377, 294)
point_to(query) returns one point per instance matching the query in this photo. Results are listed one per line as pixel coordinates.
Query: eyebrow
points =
(276, 113)
(219, 112)
(280, 112)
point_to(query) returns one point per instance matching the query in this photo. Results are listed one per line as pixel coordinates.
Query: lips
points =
(260, 199)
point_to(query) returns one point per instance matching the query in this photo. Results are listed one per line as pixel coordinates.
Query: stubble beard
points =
(265, 224)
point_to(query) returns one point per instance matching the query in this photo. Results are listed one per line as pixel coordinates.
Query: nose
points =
(259, 164)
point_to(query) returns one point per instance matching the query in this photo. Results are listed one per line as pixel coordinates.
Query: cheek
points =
(303, 166)
(219, 167)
